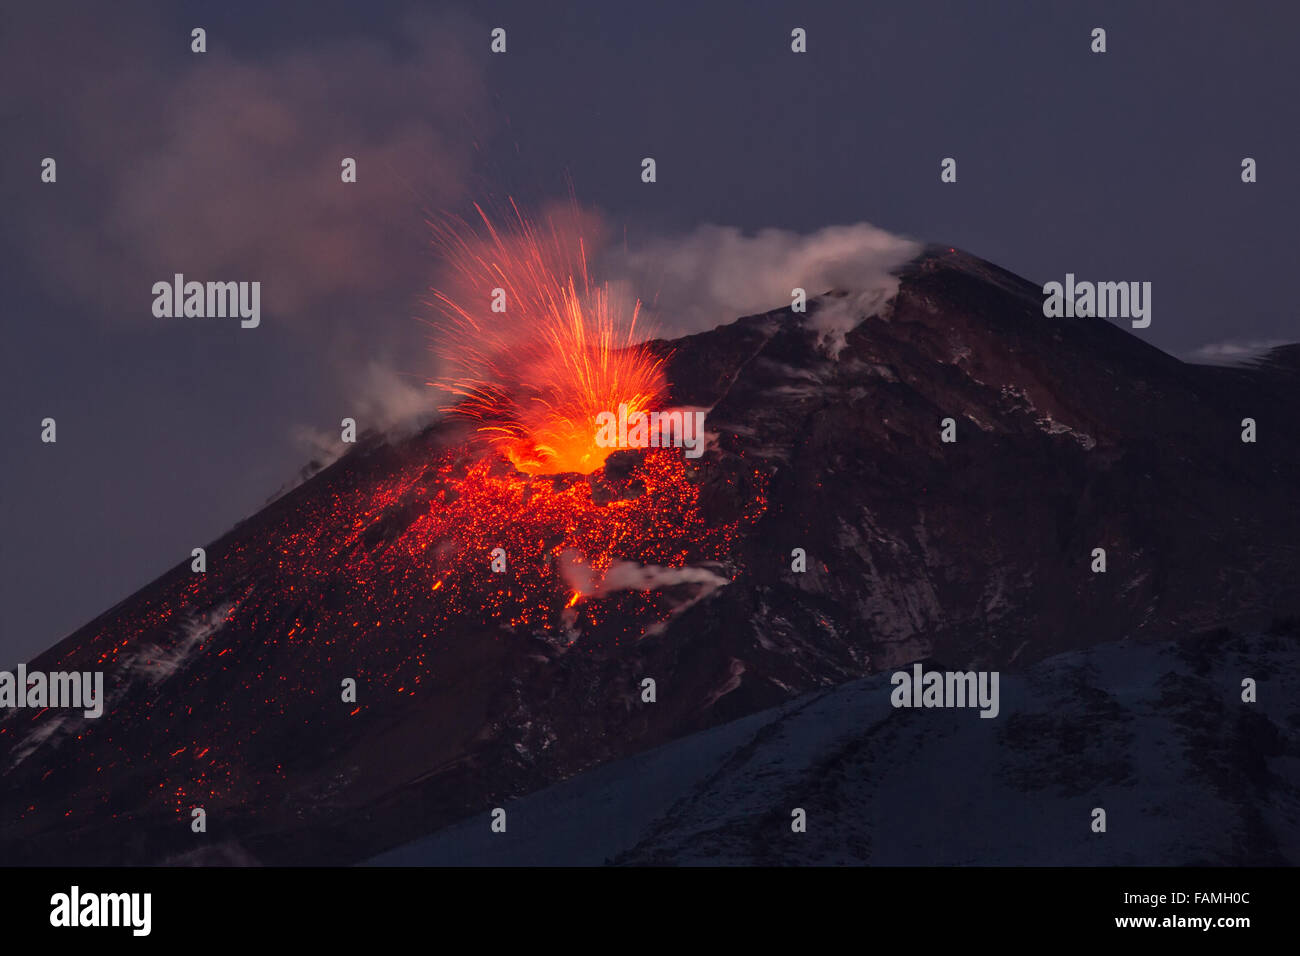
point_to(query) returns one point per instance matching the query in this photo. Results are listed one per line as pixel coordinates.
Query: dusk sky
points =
(225, 165)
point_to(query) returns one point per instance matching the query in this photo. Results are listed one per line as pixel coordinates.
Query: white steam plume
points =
(717, 273)
(630, 576)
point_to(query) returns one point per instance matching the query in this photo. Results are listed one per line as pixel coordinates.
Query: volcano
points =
(827, 534)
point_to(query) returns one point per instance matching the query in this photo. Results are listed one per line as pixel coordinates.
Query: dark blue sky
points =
(1119, 166)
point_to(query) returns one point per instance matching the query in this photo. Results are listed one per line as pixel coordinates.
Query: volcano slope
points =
(227, 689)
(1153, 732)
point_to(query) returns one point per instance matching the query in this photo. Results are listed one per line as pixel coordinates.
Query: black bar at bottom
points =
(334, 905)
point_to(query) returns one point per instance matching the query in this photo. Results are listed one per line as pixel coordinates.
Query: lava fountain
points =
(533, 348)
(532, 351)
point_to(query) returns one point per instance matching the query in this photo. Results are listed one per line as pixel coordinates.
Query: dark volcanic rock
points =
(1073, 434)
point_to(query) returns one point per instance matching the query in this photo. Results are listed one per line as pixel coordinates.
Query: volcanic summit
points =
(476, 686)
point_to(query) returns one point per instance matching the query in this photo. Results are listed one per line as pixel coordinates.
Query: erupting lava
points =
(535, 349)
(416, 565)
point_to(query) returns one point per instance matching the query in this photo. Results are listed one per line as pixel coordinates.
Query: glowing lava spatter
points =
(382, 567)
(534, 348)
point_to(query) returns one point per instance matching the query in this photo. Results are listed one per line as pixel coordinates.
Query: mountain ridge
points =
(1072, 434)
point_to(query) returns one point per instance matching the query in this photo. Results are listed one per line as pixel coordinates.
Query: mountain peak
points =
(828, 533)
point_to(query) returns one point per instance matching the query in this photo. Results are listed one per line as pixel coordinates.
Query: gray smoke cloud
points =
(383, 398)
(716, 274)
(225, 165)
(631, 576)
(1233, 351)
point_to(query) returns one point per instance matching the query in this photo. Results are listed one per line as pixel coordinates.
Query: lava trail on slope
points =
(475, 686)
